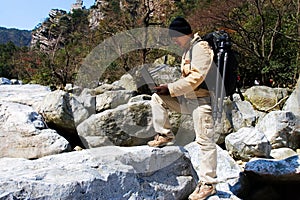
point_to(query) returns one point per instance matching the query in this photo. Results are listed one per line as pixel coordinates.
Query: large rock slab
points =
(266, 99)
(64, 111)
(293, 102)
(32, 145)
(57, 110)
(243, 115)
(24, 134)
(102, 173)
(275, 170)
(273, 179)
(112, 99)
(127, 82)
(25, 94)
(248, 142)
(127, 125)
(282, 129)
(282, 153)
(228, 171)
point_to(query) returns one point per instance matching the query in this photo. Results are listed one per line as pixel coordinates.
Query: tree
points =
(265, 33)
(6, 62)
(73, 36)
(68, 43)
(125, 15)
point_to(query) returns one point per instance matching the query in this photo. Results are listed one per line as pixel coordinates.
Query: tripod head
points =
(222, 40)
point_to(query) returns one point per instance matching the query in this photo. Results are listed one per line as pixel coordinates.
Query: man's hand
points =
(162, 89)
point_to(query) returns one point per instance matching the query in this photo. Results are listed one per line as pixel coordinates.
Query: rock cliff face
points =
(46, 36)
(51, 33)
(96, 14)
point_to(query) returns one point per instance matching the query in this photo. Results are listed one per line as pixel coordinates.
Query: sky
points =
(27, 14)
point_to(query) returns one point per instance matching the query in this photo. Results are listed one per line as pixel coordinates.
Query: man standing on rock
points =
(188, 96)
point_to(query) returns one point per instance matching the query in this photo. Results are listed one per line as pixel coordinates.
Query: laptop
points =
(148, 79)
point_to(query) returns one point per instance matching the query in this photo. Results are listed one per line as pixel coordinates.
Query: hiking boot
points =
(161, 140)
(203, 191)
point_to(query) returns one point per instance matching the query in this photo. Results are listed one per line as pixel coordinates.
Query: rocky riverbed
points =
(60, 145)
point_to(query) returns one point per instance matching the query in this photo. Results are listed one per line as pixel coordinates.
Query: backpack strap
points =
(203, 85)
(199, 39)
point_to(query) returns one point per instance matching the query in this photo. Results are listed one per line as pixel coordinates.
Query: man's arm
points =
(194, 74)
(162, 89)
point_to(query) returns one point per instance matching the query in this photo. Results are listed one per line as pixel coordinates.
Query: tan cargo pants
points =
(200, 109)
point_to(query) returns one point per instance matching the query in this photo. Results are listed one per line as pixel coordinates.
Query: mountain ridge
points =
(18, 37)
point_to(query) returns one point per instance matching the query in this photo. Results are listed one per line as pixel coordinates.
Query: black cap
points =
(179, 27)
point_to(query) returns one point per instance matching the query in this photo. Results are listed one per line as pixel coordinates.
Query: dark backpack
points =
(222, 79)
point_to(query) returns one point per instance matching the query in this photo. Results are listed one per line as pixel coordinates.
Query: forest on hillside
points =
(265, 33)
(18, 37)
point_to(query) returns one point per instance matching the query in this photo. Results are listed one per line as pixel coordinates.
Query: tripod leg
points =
(217, 89)
(240, 93)
(223, 91)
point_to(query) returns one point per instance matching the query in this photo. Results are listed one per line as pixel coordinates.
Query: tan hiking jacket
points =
(193, 71)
